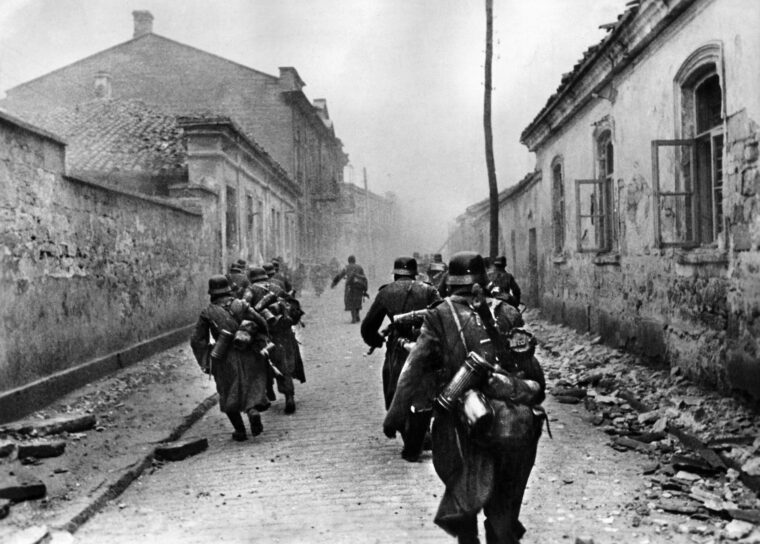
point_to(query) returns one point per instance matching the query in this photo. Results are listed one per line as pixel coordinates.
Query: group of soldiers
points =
(250, 316)
(456, 354)
(459, 376)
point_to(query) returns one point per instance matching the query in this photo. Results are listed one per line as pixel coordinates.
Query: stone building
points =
(180, 80)
(643, 223)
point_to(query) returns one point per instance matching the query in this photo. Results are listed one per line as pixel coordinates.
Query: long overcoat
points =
(403, 295)
(352, 294)
(471, 472)
(241, 379)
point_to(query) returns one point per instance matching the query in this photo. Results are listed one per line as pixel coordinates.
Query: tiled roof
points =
(117, 135)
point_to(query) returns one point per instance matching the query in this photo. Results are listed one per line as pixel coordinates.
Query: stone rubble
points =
(703, 447)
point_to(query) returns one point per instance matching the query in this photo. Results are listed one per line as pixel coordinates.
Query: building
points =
(180, 80)
(248, 201)
(644, 224)
(366, 226)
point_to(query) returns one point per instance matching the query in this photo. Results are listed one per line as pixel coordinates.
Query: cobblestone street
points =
(327, 474)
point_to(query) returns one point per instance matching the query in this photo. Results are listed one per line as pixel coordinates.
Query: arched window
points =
(558, 205)
(688, 172)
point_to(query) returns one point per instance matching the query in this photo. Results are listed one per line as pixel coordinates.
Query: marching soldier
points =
(462, 359)
(436, 270)
(356, 287)
(318, 276)
(237, 278)
(281, 276)
(502, 282)
(403, 295)
(274, 304)
(241, 372)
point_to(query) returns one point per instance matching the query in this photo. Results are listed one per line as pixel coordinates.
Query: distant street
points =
(327, 473)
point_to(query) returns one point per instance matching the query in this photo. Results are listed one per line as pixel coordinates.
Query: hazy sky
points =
(403, 79)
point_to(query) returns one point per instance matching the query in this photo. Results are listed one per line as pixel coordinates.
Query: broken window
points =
(595, 201)
(687, 173)
(558, 206)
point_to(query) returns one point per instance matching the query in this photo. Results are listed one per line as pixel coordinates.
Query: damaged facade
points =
(644, 224)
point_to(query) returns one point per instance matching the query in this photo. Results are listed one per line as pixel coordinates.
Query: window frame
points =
(559, 216)
(657, 194)
(599, 183)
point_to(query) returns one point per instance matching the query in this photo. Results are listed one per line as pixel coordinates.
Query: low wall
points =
(86, 270)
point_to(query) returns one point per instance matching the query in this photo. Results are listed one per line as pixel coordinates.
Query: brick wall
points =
(85, 270)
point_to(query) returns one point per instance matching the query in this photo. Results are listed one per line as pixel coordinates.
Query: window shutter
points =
(673, 178)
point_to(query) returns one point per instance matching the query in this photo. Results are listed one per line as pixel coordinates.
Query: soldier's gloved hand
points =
(389, 431)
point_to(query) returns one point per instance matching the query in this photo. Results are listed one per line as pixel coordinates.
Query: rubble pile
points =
(703, 448)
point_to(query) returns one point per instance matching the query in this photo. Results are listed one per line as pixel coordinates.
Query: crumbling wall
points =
(743, 298)
(85, 270)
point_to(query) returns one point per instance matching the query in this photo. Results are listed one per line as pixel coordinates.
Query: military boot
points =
(290, 404)
(240, 433)
(254, 418)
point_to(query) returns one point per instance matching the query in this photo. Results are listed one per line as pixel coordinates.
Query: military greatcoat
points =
(475, 476)
(403, 295)
(353, 293)
(241, 379)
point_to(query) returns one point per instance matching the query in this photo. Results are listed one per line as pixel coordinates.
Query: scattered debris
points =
(176, 451)
(40, 449)
(70, 423)
(21, 486)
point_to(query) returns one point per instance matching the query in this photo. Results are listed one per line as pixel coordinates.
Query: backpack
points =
(359, 282)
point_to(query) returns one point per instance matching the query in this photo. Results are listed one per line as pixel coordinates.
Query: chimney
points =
(290, 79)
(143, 23)
(103, 85)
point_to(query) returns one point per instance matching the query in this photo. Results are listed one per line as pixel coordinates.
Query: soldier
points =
(403, 295)
(356, 287)
(281, 276)
(237, 279)
(241, 374)
(318, 277)
(484, 463)
(299, 278)
(436, 269)
(503, 283)
(285, 356)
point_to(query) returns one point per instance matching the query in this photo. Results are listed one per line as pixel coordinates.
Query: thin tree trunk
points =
(493, 191)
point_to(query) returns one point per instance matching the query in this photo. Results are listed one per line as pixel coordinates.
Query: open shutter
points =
(590, 219)
(673, 179)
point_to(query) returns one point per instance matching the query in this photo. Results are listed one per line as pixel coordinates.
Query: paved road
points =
(327, 474)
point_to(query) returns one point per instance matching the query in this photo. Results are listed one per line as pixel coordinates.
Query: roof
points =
(30, 126)
(589, 58)
(505, 194)
(117, 135)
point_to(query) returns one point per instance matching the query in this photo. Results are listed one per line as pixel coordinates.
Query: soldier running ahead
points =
(480, 366)
(405, 294)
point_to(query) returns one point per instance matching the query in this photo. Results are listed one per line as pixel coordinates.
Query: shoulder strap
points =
(459, 325)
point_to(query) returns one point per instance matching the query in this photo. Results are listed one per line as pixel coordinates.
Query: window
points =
(687, 173)
(558, 206)
(231, 217)
(596, 230)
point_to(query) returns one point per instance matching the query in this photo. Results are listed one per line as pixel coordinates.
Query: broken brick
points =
(70, 423)
(41, 449)
(21, 486)
(181, 449)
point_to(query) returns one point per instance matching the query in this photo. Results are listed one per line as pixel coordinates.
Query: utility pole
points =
(493, 191)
